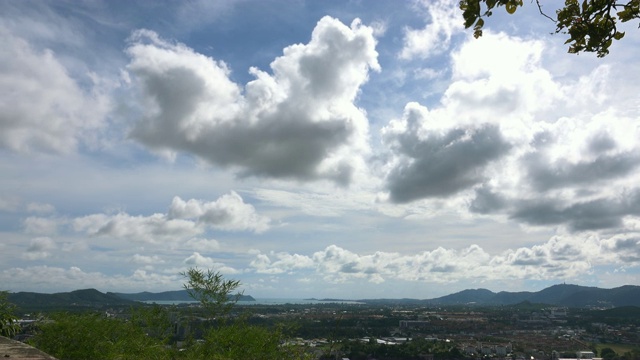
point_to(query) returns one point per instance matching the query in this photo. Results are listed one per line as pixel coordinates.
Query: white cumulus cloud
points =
(153, 228)
(444, 20)
(562, 256)
(510, 140)
(300, 122)
(42, 108)
(185, 220)
(198, 260)
(229, 212)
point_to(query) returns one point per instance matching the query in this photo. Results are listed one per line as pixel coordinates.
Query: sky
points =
(351, 149)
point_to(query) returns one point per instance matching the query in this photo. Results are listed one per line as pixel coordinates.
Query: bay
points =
(262, 301)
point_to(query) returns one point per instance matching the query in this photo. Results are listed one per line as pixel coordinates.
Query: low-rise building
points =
(585, 355)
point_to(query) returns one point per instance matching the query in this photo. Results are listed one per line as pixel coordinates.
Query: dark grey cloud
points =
(545, 175)
(529, 260)
(442, 165)
(628, 244)
(41, 244)
(601, 142)
(445, 268)
(542, 139)
(590, 208)
(487, 201)
(350, 268)
(564, 252)
(289, 146)
(603, 213)
(628, 249)
(588, 215)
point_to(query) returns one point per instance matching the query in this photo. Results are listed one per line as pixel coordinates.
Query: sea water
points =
(262, 301)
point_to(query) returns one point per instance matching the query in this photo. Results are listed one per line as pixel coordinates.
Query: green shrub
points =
(8, 321)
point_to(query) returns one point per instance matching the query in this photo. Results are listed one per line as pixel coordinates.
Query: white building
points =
(585, 355)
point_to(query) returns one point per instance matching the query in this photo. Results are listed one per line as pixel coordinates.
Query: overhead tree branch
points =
(590, 25)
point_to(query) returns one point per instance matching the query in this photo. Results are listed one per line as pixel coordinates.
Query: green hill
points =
(86, 298)
(560, 295)
(178, 295)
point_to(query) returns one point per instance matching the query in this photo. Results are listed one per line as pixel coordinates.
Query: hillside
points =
(178, 295)
(477, 296)
(77, 298)
(92, 298)
(560, 295)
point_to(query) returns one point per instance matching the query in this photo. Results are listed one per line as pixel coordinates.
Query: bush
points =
(94, 336)
(148, 333)
(8, 321)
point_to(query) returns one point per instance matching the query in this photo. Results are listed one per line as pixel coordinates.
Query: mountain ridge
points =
(567, 295)
(75, 298)
(92, 298)
(175, 295)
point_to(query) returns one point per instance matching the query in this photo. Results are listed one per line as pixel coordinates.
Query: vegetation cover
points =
(216, 329)
(8, 320)
(149, 331)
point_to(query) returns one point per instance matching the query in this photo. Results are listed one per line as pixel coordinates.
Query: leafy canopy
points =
(94, 336)
(211, 289)
(591, 25)
(8, 321)
(150, 332)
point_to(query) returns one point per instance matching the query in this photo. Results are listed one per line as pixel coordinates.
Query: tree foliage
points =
(239, 340)
(8, 321)
(608, 353)
(212, 291)
(591, 25)
(148, 333)
(94, 336)
(232, 339)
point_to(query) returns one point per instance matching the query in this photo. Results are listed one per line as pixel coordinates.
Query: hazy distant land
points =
(574, 296)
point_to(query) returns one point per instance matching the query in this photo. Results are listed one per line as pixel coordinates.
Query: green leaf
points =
(618, 35)
(468, 22)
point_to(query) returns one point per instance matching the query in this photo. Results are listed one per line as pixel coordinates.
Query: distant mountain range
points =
(77, 298)
(178, 295)
(94, 298)
(560, 295)
(574, 296)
